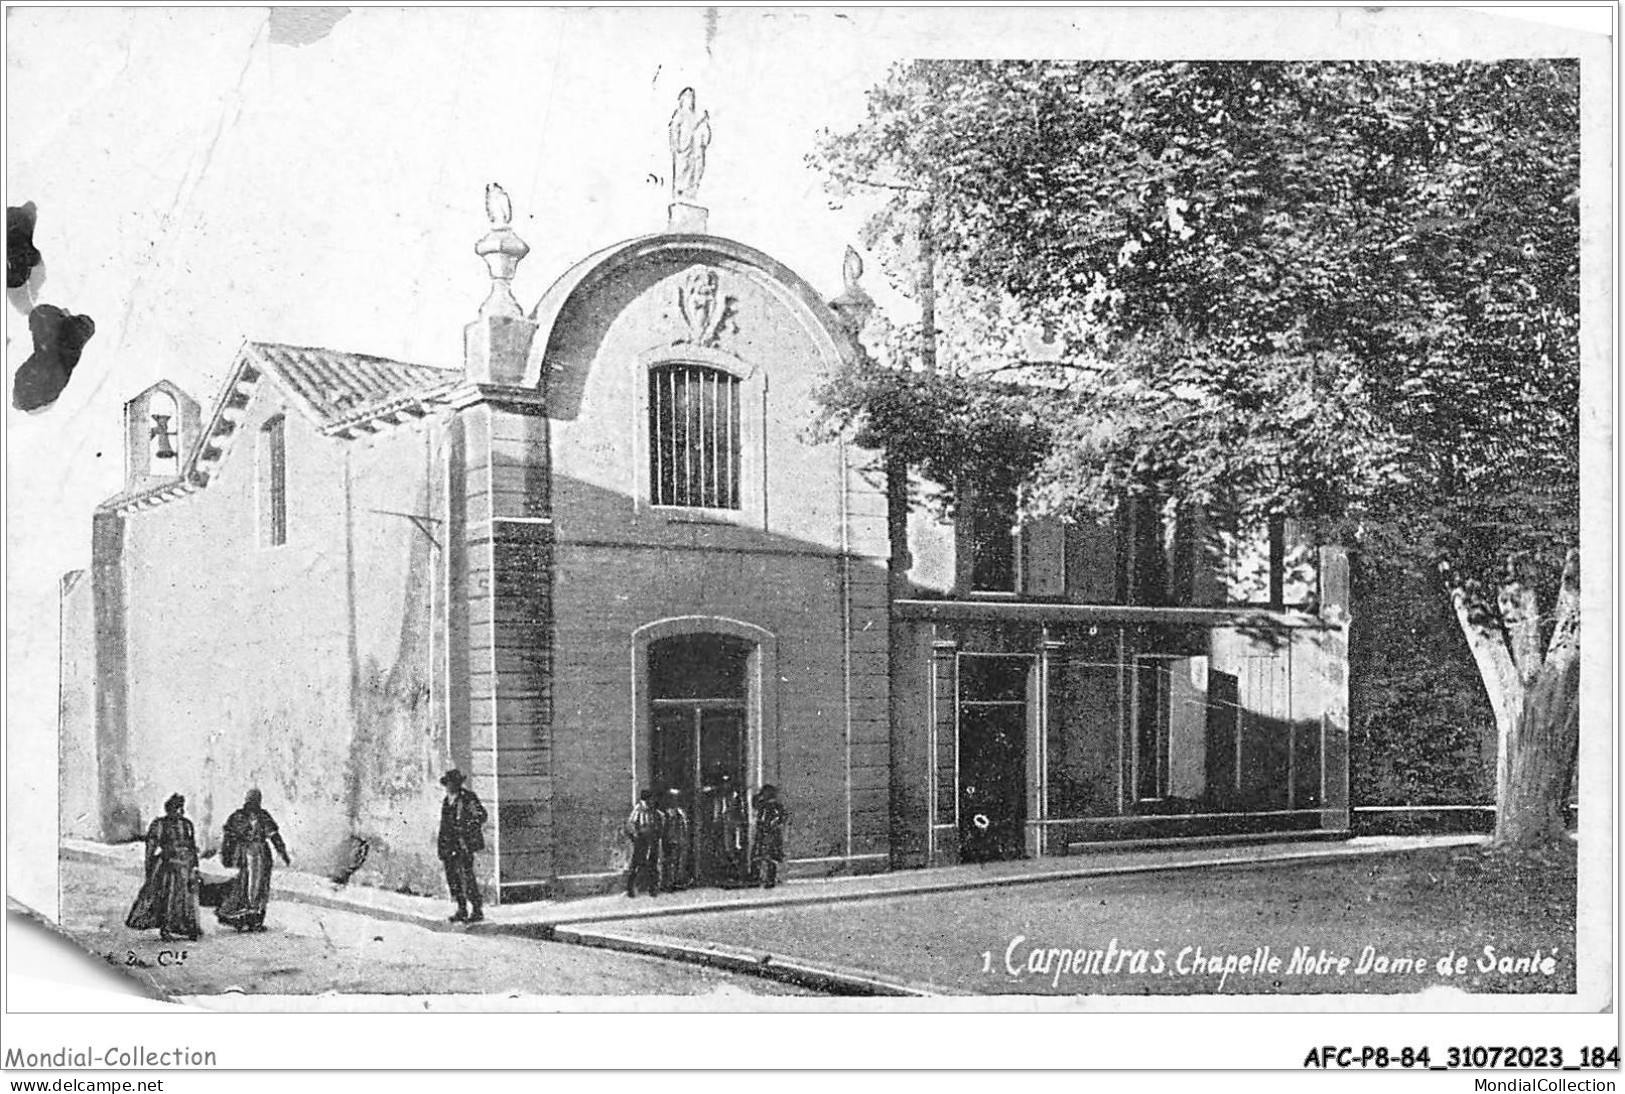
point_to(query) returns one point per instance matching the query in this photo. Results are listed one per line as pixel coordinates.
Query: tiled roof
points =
(338, 385)
(347, 394)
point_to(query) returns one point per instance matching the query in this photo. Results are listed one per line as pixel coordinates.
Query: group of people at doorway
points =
(669, 852)
(174, 888)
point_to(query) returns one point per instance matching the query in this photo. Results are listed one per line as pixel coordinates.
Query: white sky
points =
(198, 186)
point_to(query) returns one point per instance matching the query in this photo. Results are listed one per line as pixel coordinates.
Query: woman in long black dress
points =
(250, 834)
(168, 899)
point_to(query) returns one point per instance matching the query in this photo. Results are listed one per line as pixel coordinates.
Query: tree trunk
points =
(927, 286)
(1520, 615)
(1487, 641)
(1546, 737)
(1540, 764)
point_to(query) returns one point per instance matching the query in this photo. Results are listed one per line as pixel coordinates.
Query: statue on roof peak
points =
(689, 133)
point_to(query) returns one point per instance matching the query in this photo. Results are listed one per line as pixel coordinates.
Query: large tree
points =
(1348, 292)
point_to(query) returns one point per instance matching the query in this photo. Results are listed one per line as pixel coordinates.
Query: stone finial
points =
(854, 305)
(851, 268)
(502, 250)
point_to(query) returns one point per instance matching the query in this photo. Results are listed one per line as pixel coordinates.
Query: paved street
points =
(1410, 909)
(1361, 916)
(311, 949)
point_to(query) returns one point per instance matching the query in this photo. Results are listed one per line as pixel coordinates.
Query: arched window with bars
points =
(694, 437)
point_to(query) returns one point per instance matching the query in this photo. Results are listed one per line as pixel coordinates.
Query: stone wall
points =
(78, 797)
(400, 743)
(222, 662)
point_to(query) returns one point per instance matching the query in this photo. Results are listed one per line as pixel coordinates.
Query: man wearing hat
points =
(767, 849)
(643, 827)
(461, 819)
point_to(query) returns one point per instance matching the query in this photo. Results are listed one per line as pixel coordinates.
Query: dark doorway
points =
(992, 757)
(698, 688)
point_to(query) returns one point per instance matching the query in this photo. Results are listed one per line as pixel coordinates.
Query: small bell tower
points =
(161, 427)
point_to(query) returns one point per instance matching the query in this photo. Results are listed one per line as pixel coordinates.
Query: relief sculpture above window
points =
(708, 312)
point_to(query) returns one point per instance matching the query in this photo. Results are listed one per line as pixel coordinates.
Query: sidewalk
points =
(613, 922)
(538, 919)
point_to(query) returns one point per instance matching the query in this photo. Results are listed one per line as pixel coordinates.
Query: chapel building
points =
(607, 554)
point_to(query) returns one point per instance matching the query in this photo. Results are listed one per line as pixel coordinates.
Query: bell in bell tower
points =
(164, 436)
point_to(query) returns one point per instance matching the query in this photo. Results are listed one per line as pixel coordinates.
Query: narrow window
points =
(694, 435)
(1154, 681)
(992, 528)
(273, 468)
(1186, 733)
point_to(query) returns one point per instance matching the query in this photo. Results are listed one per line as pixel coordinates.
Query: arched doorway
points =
(698, 718)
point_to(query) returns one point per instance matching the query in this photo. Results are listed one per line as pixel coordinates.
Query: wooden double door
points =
(698, 753)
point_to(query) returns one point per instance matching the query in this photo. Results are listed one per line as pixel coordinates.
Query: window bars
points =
(694, 437)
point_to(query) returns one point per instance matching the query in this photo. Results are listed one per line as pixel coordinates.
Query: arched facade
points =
(790, 559)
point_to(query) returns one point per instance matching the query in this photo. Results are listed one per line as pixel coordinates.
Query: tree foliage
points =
(1422, 731)
(1344, 291)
